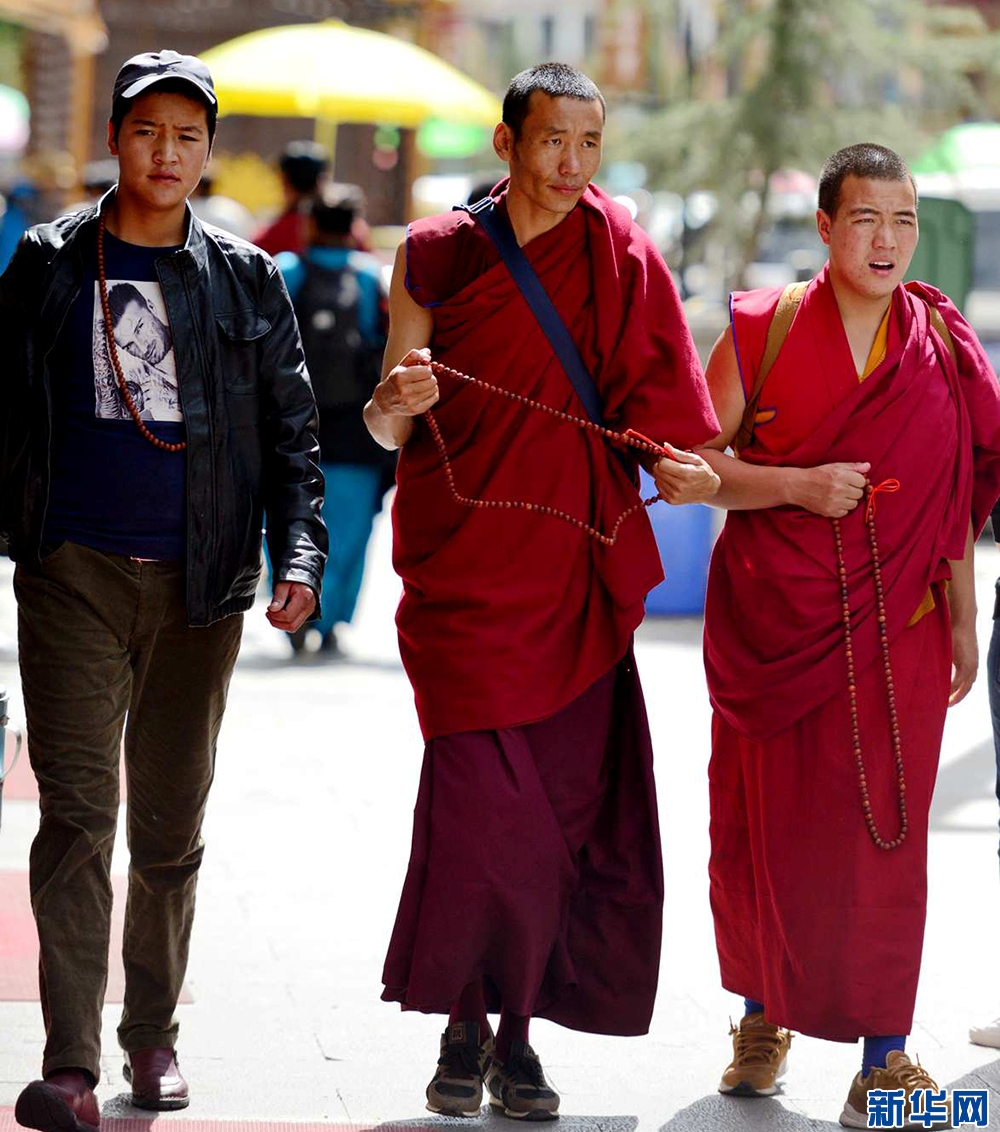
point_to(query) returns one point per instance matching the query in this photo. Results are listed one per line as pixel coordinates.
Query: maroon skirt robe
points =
(535, 867)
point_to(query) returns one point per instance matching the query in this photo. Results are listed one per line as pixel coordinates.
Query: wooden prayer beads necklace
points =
(109, 334)
(630, 438)
(852, 687)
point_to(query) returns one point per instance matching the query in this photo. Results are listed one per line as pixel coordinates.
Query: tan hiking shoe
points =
(517, 1086)
(760, 1051)
(456, 1089)
(899, 1073)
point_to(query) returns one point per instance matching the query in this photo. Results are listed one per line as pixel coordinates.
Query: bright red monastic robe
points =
(811, 918)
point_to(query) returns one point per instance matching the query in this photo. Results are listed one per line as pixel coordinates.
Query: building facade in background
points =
(645, 54)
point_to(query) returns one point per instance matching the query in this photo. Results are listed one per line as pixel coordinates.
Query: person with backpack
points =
(303, 166)
(864, 419)
(340, 305)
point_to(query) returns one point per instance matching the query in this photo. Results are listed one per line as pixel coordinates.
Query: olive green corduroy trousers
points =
(104, 648)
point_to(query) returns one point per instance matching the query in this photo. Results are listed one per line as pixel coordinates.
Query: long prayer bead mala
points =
(630, 439)
(635, 440)
(116, 365)
(852, 687)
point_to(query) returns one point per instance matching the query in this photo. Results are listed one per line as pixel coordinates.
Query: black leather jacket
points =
(248, 406)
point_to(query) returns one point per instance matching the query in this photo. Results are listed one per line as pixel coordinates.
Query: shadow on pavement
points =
(968, 778)
(685, 631)
(740, 1114)
(488, 1119)
(120, 1107)
(258, 662)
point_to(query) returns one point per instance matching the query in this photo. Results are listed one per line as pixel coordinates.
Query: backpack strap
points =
(939, 324)
(497, 227)
(777, 332)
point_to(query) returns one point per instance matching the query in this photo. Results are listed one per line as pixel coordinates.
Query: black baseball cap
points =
(143, 71)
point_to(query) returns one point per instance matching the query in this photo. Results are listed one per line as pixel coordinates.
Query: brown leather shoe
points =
(156, 1081)
(63, 1102)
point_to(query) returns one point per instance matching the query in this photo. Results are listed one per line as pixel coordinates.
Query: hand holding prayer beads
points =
(830, 490)
(408, 389)
(684, 478)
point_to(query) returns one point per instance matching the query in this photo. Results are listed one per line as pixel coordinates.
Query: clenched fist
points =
(408, 389)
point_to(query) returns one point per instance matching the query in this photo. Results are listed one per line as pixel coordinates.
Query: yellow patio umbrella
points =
(340, 73)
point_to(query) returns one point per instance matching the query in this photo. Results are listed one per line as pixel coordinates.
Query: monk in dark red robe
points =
(534, 883)
(880, 404)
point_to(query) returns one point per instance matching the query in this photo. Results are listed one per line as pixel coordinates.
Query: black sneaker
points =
(518, 1087)
(456, 1088)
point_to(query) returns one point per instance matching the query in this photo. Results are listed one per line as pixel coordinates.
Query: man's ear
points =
(112, 144)
(823, 222)
(503, 141)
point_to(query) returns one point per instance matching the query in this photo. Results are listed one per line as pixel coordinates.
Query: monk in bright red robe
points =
(880, 405)
(534, 885)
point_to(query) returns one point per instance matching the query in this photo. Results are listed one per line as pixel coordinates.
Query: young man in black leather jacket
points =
(155, 405)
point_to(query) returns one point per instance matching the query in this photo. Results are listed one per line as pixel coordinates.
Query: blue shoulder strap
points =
(498, 228)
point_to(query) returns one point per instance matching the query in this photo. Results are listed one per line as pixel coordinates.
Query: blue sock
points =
(877, 1049)
(752, 1007)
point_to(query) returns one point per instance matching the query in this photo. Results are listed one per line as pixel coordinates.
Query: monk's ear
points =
(112, 144)
(503, 141)
(823, 222)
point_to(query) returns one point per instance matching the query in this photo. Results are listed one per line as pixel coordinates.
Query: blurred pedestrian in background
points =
(535, 884)
(339, 301)
(98, 177)
(214, 208)
(155, 405)
(834, 653)
(24, 207)
(302, 166)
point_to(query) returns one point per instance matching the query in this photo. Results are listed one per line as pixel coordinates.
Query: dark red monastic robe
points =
(535, 864)
(811, 918)
(508, 616)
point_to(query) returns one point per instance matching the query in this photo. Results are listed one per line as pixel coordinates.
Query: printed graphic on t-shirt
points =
(145, 352)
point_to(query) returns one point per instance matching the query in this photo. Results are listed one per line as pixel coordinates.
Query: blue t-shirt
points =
(111, 489)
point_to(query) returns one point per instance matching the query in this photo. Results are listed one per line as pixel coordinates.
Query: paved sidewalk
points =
(307, 841)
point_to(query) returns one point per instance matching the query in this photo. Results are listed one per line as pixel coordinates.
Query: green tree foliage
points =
(800, 79)
(11, 38)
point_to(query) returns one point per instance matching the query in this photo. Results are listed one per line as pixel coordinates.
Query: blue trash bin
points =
(684, 538)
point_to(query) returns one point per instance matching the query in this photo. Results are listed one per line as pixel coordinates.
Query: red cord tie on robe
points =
(889, 486)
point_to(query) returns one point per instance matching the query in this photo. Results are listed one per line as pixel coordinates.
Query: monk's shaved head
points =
(557, 80)
(866, 161)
